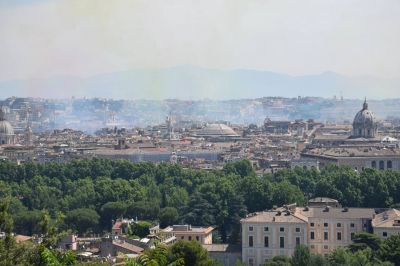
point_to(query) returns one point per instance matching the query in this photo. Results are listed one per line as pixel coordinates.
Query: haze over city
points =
(199, 49)
(200, 132)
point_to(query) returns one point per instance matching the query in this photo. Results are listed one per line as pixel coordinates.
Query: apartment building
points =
(322, 228)
(203, 235)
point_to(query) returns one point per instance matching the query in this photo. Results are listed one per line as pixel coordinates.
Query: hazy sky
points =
(84, 37)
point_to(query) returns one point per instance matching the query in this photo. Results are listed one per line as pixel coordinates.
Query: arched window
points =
(389, 165)
(359, 132)
(373, 164)
(381, 165)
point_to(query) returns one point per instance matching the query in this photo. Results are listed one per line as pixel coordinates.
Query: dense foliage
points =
(92, 193)
(180, 254)
(383, 253)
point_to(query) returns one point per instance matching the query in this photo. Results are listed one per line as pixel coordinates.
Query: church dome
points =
(216, 130)
(5, 126)
(364, 117)
(364, 124)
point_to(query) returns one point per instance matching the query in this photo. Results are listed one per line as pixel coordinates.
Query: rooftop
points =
(371, 151)
(387, 219)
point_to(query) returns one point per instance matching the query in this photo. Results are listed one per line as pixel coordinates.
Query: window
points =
(325, 247)
(339, 225)
(312, 224)
(381, 165)
(384, 234)
(282, 242)
(251, 228)
(352, 225)
(325, 235)
(373, 164)
(297, 229)
(266, 229)
(389, 164)
(325, 224)
(352, 236)
(282, 229)
(266, 241)
(251, 262)
(339, 236)
(190, 238)
(297, 241)
(197, 238)
(250, 241)
(182, 237)
(312, 235)
(312, 246)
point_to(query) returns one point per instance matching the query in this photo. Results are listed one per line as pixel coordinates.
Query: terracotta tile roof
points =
(387, 219)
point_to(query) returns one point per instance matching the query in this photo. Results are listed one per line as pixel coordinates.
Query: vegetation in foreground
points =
(85, 196)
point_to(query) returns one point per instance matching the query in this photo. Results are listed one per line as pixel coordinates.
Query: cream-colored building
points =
(203, 235)
(329, 227)
(271, 233)
(387, 223)
(322, 228)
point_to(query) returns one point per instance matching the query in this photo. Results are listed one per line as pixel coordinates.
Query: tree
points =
(27, 223)
(339, 257)
(112, 211)
(278, 261)
(242, 168)
(168, 216)
(82, 220)
(390, 250)
(363, 240)
(301, 256)
(140, 229)
(191, 252)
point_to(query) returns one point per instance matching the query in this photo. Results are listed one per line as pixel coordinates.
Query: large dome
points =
(364, 118)
(6, 131)
(216, 130)
(6, 128)
(364, 124)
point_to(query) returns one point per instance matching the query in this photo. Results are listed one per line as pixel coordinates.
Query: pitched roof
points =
(274, 216)
(336, 213)
(387, 219)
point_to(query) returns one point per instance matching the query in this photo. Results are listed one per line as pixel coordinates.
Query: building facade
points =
(322, 228)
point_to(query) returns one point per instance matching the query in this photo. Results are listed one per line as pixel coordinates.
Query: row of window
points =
(298, 230)
(389, 165)
(281, 229)
(190, 238)
(326, 236)
(266, 241)
(325, 246)
(352, 225)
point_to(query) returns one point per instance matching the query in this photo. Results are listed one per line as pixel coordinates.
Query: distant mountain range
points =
(188, 82)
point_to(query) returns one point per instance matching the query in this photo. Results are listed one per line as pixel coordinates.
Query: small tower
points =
(28, 131)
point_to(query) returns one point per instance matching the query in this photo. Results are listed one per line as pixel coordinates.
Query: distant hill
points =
(188, 82)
